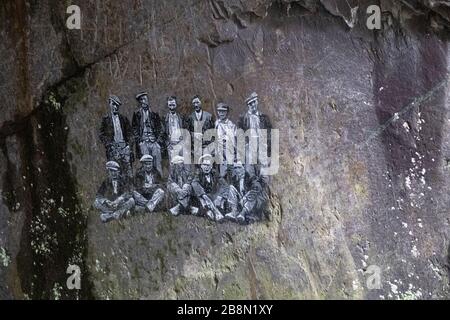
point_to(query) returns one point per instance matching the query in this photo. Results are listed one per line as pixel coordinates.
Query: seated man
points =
(147, 183)
(209, 188)
(114, 198)
(247, 195)
(179, 187)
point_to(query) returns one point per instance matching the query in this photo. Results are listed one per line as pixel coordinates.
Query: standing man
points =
(147, 131)
(209, 188)
(173, 123)
(114, 198)
(116, 136)
(179, 187)
(226, 138)
(198, 122)
(254, 121)
(147, 183)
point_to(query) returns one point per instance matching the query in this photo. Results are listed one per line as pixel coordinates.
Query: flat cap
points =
(253, 96)
(141, 94)
(222, 107)
(146, 158)
(206, 158)
(238, 164)
(177, 160)
(112, 165)
(115, 99)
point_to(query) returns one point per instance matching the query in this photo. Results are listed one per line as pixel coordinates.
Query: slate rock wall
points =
(364, 153)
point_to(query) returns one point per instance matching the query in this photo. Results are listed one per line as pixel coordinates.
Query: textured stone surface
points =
(364, 157)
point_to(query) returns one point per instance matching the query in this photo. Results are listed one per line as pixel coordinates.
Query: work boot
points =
(121, 214)
(194, 210)
(210, 215)
(219, 217)
(150, 206)
(106, 217)
(175, 210)
(240, 218)
(232, 215)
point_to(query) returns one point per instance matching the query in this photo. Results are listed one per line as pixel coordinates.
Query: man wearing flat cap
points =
(255, 121)
(198, 122)
(226, 138)
(116, 136)
(179, 187)
(114, 198)
(209, 188)
(147, 131)
(148, 192)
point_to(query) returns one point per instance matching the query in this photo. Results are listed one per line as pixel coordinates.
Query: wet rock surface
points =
(364, 125)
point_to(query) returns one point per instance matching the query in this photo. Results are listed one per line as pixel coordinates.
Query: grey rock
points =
(363, 180)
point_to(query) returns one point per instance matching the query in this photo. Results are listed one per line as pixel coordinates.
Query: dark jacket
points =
(175, 175)
(107, 130)
(244, 122)
(208, 123)
(251, 182)
(207, 119)
(181, 120)
(139, 182)
(264, 123)
(106, 189)
(202, 186)
(138, 125)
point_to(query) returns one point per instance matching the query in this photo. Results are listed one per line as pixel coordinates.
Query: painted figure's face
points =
(206, 167)
(197, 104)
(240, 172)
(253, 106)
(144, 102)
(172, 104)
(148, 166)
(222, 114)
(113, 174)
(114, 107)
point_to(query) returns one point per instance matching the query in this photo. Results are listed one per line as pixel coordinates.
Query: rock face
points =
(363, 184)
